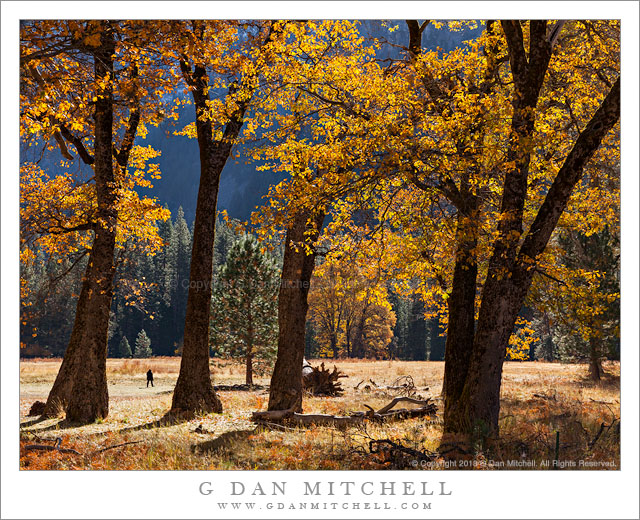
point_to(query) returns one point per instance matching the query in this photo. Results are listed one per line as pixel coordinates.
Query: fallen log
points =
(386, 413)
(239, 387)
(56, 447)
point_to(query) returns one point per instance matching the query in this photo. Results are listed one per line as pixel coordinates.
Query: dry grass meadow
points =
(538, 400)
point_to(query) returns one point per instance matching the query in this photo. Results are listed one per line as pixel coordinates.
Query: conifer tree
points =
(143, 346)
(124, 350)
(244, 306)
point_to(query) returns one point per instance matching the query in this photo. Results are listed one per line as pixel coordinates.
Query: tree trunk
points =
(194, 391)
(334, 345)
(478, 407)
(286, 382)
(249, 360)
(249, 375)
(595, 362)
(461, 306)
(89, 399)
(60, 393)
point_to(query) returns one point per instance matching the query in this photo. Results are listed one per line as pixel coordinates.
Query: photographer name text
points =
(326, 488)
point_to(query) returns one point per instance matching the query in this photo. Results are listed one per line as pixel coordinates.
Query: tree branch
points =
(515, 42)
(86, 157)
(570, 173)
(64, 131)
(132, 128)
(555, 32)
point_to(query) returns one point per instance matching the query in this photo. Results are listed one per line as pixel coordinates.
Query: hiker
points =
(149, 378)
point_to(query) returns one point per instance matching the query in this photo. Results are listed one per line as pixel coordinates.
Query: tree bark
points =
(60, 393)
(461, 307)
(249, 376)
(89, 399)
(286, 382)
(595, 363)
(249, 360)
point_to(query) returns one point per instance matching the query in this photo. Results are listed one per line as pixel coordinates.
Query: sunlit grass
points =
(575, 407)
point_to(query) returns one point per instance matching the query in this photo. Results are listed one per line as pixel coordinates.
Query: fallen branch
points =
(241, 388)
(403, 385)
(383, 414)
(395, 451)
(397, 400)
(387, 451)
(56, 447)
(547, 397)
(449, 447)
(604, 428)
(603, 402)
(45, 447)
(115, 446)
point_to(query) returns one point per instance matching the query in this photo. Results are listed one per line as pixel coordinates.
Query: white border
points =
(575, 494)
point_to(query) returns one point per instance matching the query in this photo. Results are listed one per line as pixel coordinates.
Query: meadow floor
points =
(538, 400)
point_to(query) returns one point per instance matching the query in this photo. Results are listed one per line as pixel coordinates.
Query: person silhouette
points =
(149, 378)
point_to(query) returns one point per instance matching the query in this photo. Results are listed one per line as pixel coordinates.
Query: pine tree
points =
(435, 339)
(124, 350)
(143, 345)
(590, 331)
(417, 331)
(224, 240)
(244, 306)
(180, 259)
(400, 306)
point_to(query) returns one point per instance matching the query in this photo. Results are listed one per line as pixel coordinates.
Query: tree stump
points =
(322, 381)
(37, 408)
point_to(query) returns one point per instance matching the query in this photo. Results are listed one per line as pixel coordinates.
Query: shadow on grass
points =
(606, 382)
(32, 422)
(62, 424)
(455, 446)
(167, 419)
(226, 441)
